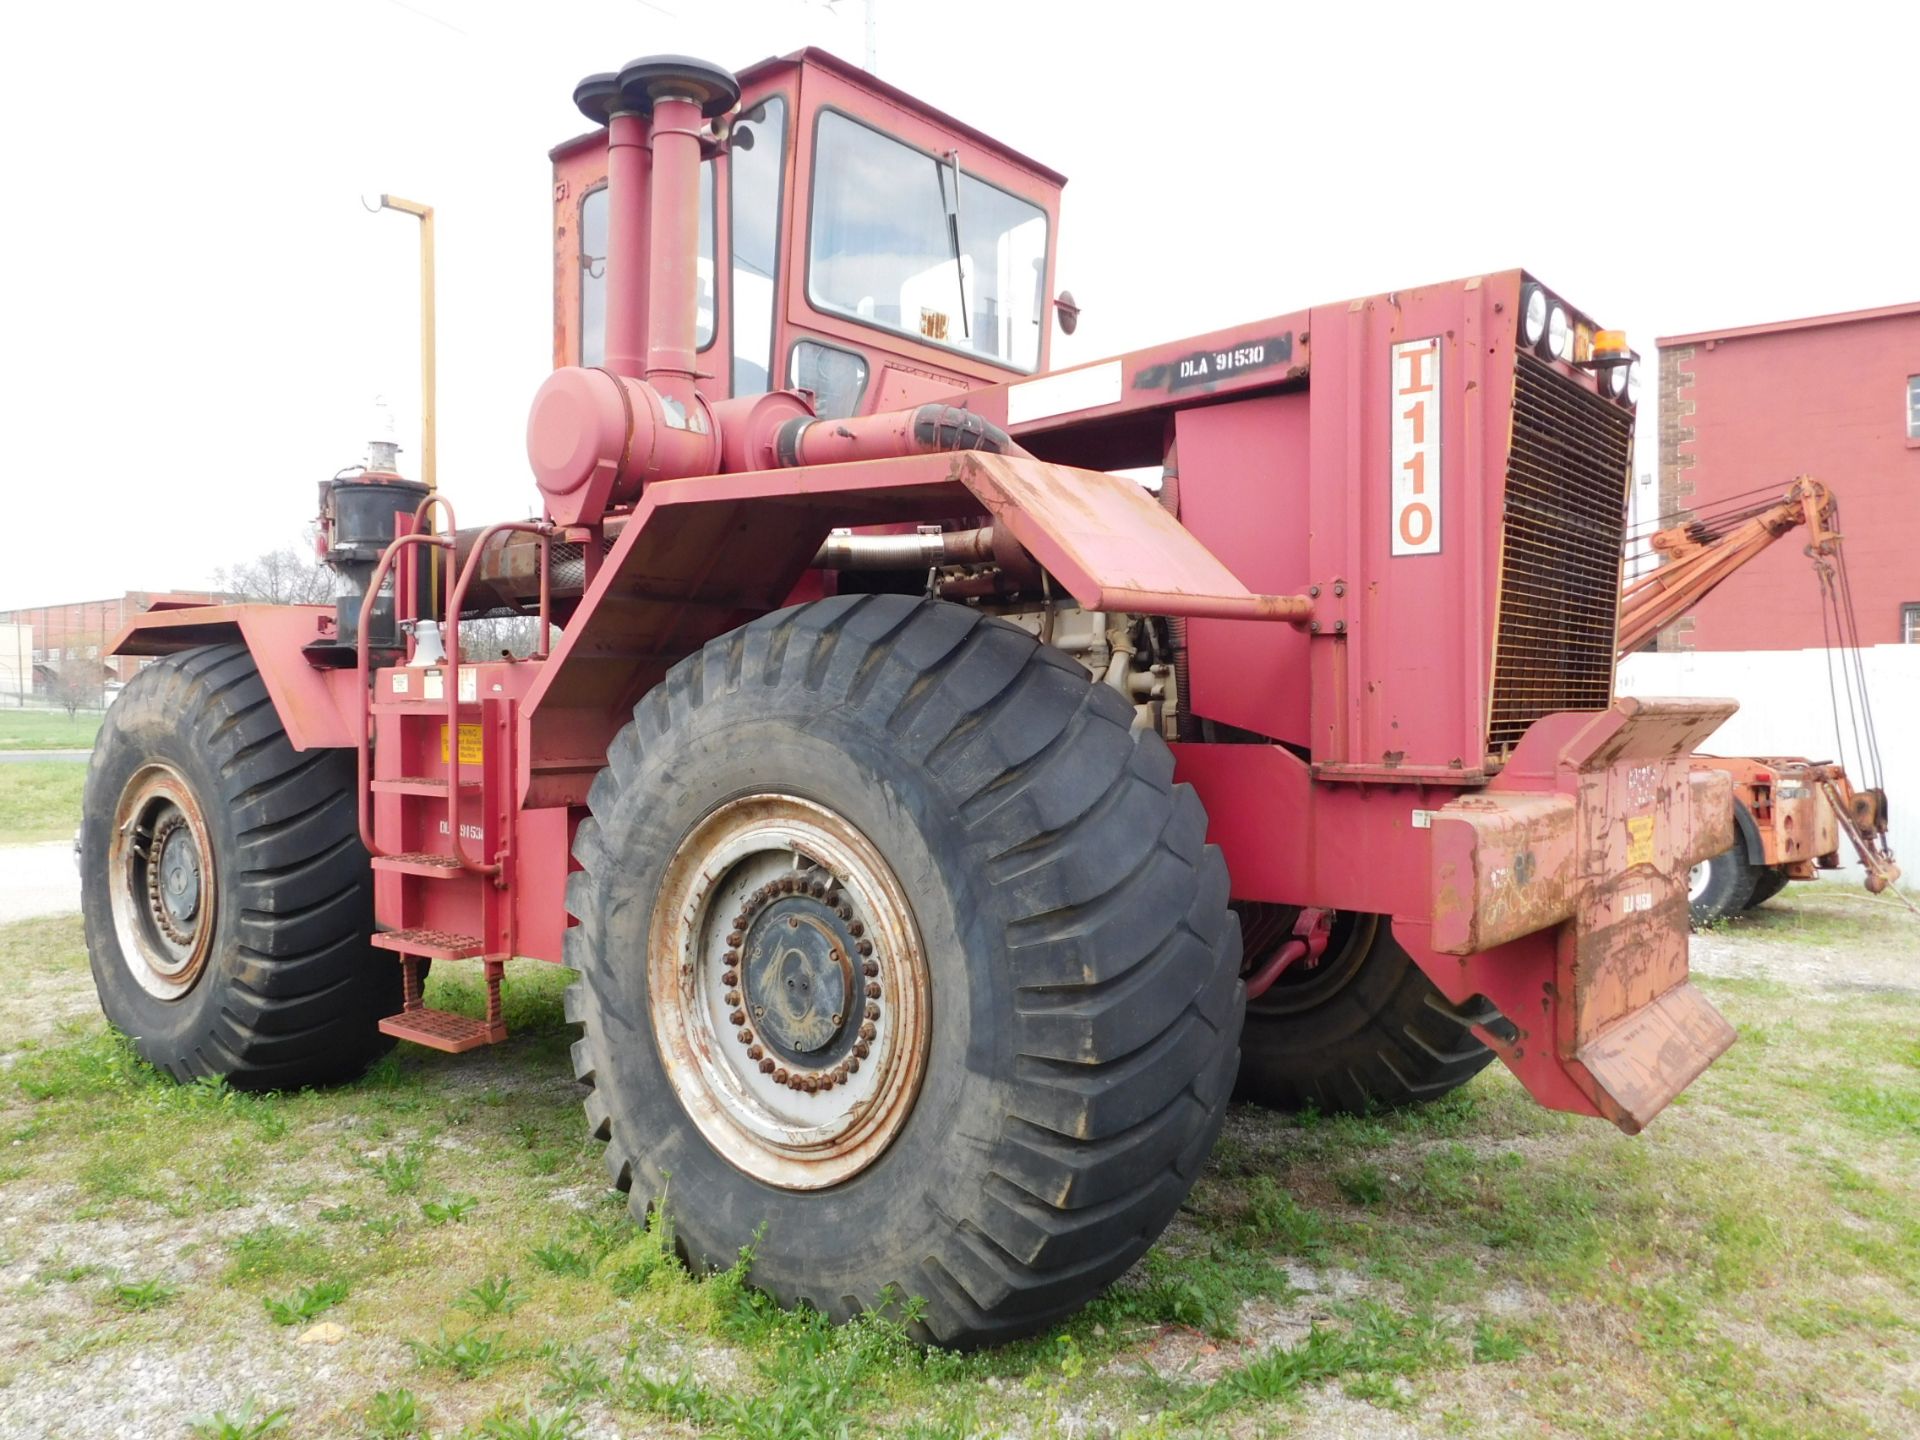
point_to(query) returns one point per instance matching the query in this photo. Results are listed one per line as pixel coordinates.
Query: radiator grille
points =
(1565, 519)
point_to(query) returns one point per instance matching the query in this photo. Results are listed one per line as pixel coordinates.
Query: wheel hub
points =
(789, 994)
(176, 879)
(797, 993)
(160, 882)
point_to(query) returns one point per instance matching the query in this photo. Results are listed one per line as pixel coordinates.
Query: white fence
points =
(1786, 709)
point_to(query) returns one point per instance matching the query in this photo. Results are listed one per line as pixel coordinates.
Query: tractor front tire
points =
(903, 962)
(1722, 885)
(227, 900)
(1363, 1030)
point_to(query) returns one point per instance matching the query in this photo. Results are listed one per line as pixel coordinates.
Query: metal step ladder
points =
(441, 856)
(438, 803)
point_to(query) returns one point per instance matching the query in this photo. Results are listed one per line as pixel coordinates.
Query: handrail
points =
(363, 741)
(427, 502)
(451, 635)
(420, 513)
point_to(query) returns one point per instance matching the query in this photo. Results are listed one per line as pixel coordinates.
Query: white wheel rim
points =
(161, 887)
(787, 1088)
(1697, 880)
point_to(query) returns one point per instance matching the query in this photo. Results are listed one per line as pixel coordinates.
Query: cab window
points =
(593, 271)
(755, 187)
(894, 244)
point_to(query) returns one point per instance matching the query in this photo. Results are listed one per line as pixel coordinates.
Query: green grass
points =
(47, 730)
(1478, 1265)
(40, 799)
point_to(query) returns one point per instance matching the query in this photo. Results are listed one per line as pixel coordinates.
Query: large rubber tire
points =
(290, 992)
(1369, 1032)
(1082, 959)
(1722, 886)
(1767, 883)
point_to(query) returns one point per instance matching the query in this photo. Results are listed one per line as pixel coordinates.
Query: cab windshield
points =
(883, 242)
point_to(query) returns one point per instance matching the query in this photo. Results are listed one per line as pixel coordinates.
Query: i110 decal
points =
(1416, 447)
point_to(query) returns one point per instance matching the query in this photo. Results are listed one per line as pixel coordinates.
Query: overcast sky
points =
(198, 312)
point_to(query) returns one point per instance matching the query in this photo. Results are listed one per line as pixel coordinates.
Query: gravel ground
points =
(81, 1214)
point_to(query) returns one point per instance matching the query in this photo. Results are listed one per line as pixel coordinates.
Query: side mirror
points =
(1066, 312)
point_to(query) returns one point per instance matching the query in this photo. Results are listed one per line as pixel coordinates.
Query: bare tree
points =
(79, 679)
(499, 635)
(287, 576)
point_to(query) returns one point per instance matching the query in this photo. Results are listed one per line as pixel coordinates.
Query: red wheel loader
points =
(943, 824)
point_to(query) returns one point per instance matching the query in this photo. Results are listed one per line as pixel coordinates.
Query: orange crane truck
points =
(1789, 812)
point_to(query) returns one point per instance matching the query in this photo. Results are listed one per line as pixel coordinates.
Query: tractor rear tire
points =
(1363, 1030)
(227, 900)
(1723, 885)
(924, 811)
(1767, 883)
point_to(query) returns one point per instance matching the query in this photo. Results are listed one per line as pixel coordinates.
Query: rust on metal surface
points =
(1696, 556)
(1588, 836)
(1503, 866)
(1639, 1064)
(1111, 544)
(798, 1094)
(163, 888)
(432, 943)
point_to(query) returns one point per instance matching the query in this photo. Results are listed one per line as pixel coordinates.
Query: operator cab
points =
(877, 252)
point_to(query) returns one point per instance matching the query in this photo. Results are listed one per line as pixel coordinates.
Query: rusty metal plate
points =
(1640, 1064)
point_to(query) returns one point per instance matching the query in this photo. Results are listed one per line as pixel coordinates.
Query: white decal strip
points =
(1062, 394)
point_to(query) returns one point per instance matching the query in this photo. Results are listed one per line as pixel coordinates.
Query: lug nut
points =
(862, 1050)
(754, 1052)
(873, 989)
(729, 978)
(732, 957)
(738, 1017)
(867, 1031)
(873, 1012)
(781, 1075)
(853, 1062)
(744, 1035)
(856, 929)
(733, 937)
(870, 969)
(766, 1067)
(732, 997)
(846, 911)
(865, 947)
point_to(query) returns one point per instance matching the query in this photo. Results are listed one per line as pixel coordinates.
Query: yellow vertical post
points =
(429, 474)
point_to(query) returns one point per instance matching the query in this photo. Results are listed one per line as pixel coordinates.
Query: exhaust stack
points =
(596, 437)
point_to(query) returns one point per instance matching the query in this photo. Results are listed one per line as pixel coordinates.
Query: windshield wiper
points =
(952, 204)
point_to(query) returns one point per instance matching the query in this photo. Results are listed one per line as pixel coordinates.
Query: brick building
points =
(1833, 396)
(62, 634)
